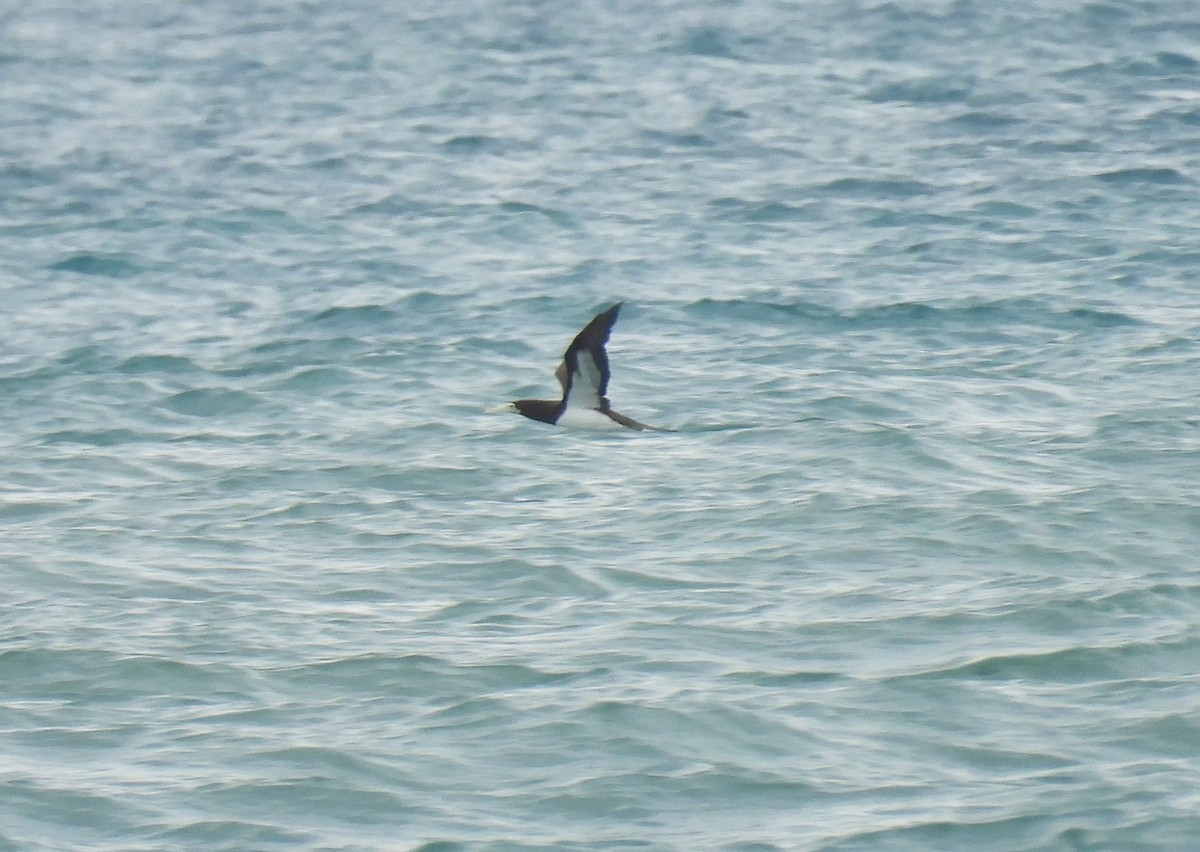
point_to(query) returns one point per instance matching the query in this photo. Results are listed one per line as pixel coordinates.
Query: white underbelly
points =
(586, 418)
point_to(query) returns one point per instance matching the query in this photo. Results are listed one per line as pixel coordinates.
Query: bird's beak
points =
(507, 408)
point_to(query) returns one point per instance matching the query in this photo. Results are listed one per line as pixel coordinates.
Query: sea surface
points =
(917, 284)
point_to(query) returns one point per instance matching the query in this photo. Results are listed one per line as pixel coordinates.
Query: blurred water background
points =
(914, 281)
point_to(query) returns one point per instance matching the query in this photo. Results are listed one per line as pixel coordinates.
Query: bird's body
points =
(584, 418)
(584, 375)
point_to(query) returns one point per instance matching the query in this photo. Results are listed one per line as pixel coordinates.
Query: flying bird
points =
(583, 375)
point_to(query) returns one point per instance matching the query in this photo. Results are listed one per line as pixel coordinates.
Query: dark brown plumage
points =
(584, 375)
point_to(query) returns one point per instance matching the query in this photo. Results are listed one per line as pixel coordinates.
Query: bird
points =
(584, 375)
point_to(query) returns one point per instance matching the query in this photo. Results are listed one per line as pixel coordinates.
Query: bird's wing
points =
(584, 371)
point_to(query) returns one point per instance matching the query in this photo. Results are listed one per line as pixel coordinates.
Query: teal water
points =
(913, 281)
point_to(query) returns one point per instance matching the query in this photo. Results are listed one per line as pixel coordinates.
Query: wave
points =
(210, 402)
(103, 265)
(1153, 175)
(916, 314)
(1071, 664)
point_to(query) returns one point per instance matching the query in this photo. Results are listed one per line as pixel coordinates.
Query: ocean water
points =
(915, 283)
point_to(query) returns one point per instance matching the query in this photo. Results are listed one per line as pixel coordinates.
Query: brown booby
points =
(583, 375)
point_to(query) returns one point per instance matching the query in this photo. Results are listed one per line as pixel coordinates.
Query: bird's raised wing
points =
(584, 371)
